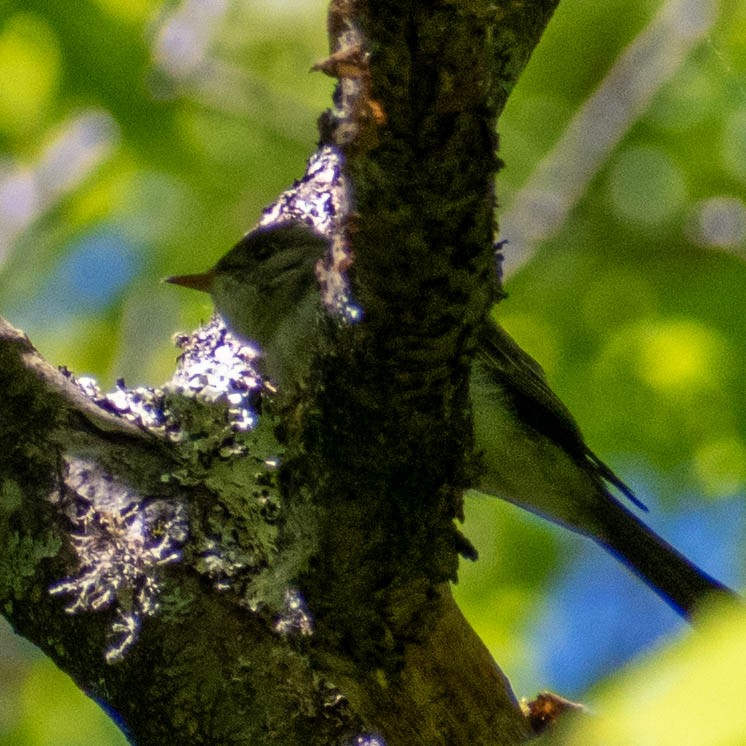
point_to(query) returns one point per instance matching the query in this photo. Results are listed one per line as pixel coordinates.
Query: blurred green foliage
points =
(141, 139)
(686, 694)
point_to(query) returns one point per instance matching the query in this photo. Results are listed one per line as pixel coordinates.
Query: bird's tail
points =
(671, 575)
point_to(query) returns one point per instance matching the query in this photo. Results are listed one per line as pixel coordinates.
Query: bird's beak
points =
(201, 282)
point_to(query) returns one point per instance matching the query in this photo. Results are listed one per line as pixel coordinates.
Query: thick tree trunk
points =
(151, 548)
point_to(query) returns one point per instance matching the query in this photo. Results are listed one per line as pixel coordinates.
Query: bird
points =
(532, 451)
(535, 456)
(265, 289)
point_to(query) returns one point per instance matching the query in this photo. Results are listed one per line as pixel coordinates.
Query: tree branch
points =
(154, 551)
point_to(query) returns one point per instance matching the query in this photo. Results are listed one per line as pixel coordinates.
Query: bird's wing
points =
(525, 386)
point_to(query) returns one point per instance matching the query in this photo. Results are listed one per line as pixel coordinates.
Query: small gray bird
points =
(533, 452)
(265, 289)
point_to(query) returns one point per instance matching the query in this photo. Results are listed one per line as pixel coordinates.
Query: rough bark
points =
(203, 595)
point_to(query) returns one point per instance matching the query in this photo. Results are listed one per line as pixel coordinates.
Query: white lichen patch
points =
(209, 411)
(121, 542)
(294, 619)
(321, 199)
(368, 740)
(214, 367)
(218, 368)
